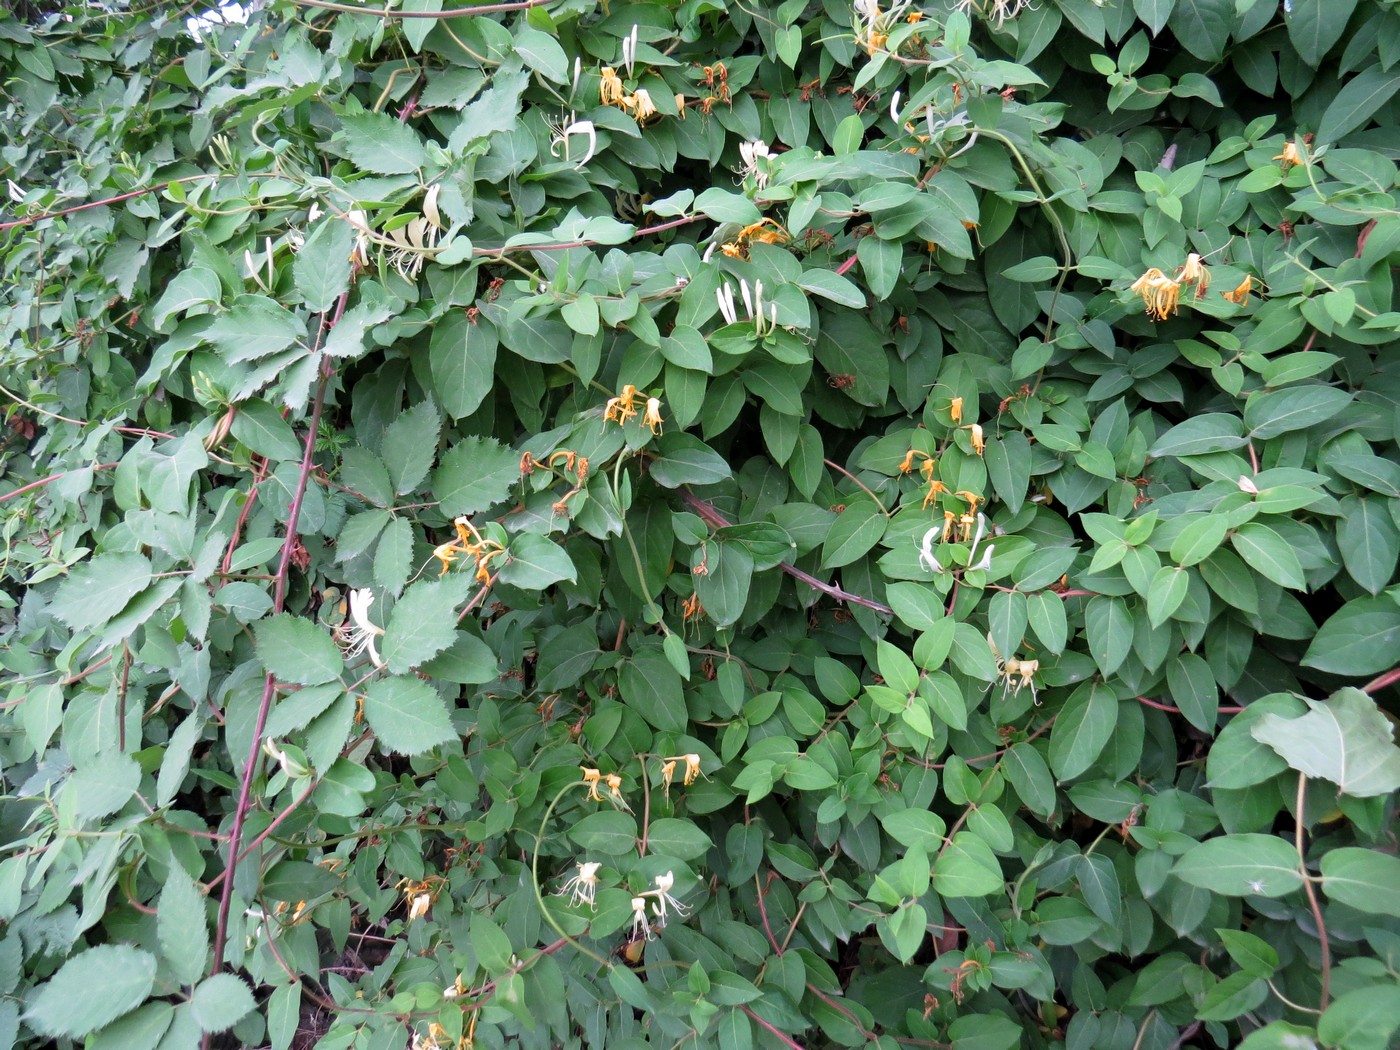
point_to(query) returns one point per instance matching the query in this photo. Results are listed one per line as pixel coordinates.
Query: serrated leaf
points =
(220, 1002)
(99, 589)
(424, 622)
(475, 474)
(378, 143)
(322, 267)
(182, 928)
(407, 715)
(296, 650)
(410, 446)
(254, 327)
(92, 989)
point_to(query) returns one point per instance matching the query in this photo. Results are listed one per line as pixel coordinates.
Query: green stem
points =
(535, 877)
(652, 607)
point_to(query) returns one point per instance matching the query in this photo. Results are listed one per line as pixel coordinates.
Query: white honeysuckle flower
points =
(986, 560)
(1247, 485)
(582, 887)
(748, 297)
(926, 558)
(419, 906)
(363, 631)
(724, 295)
(868, 9)
(664, 901)
(894, 106)
(977, 536)
(578, 72)
(709, 251)
(16, 194)
(752, 153)
(430, 208)
(641, 925)
(629, 49)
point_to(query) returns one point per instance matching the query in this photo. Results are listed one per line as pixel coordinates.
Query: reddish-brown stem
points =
(983, 758)
(1311, 891)
(286, 812)
(560, 246)
(1176, 710)
(1375, 685)
(258, 475)
(279, 599)
(785, 1039)
(717, 520)
(52, 477)
(763, 915)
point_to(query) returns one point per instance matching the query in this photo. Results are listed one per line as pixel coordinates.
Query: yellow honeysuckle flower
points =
(1159, 292)
(935, 489)
(610, 89)
(1240, 295)
(979, 443)
(652, 417)
(591, 777)
(622, 408)
(1290, 155)
(955, 409)
(1195, 272)
(614, 783)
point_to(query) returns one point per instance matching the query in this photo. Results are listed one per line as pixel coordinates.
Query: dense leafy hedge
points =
(697, 525)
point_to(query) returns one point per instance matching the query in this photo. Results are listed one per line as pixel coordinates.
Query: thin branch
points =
(717, 520)
(784, 1038)
(1311, 891)
(1375, 685)
(52, 477)
(1176, 710)
(287, 812)
(279, 600)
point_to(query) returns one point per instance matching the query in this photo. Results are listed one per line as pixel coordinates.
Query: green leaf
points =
(261, 427)
(423, 623)
(915, 604)
(726, 206)
(1256, 956)
(1345, 739)
(1360, 638)
(681, 839)
(378, 143)
(322, 267)
(1193, 690)
(1203, 26)
(1265, 551)
(1211, 432)
(1362, 1019)
(91, 989)
(296, 650)
(462, 359)
(606, 831)
(1315, 25)
(1277, 412)
(1165, 593)
(536, 563)
(489, 943)
(1362, 878)
(652, 688)
(255, 327)
(1234, 995)
(99, 589)
(854, 532)
(1241, 866)
(543, 54)
(1083, 729)
(182, 928)
(686, 460)
(410, 446)
(1108, 627)
(102, 785)
(967, 867)
(1358, 100)
(220, 1002)
(407, 715)
(475, 474)
(1030, 778)
(832, 286)
(1369, 541)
